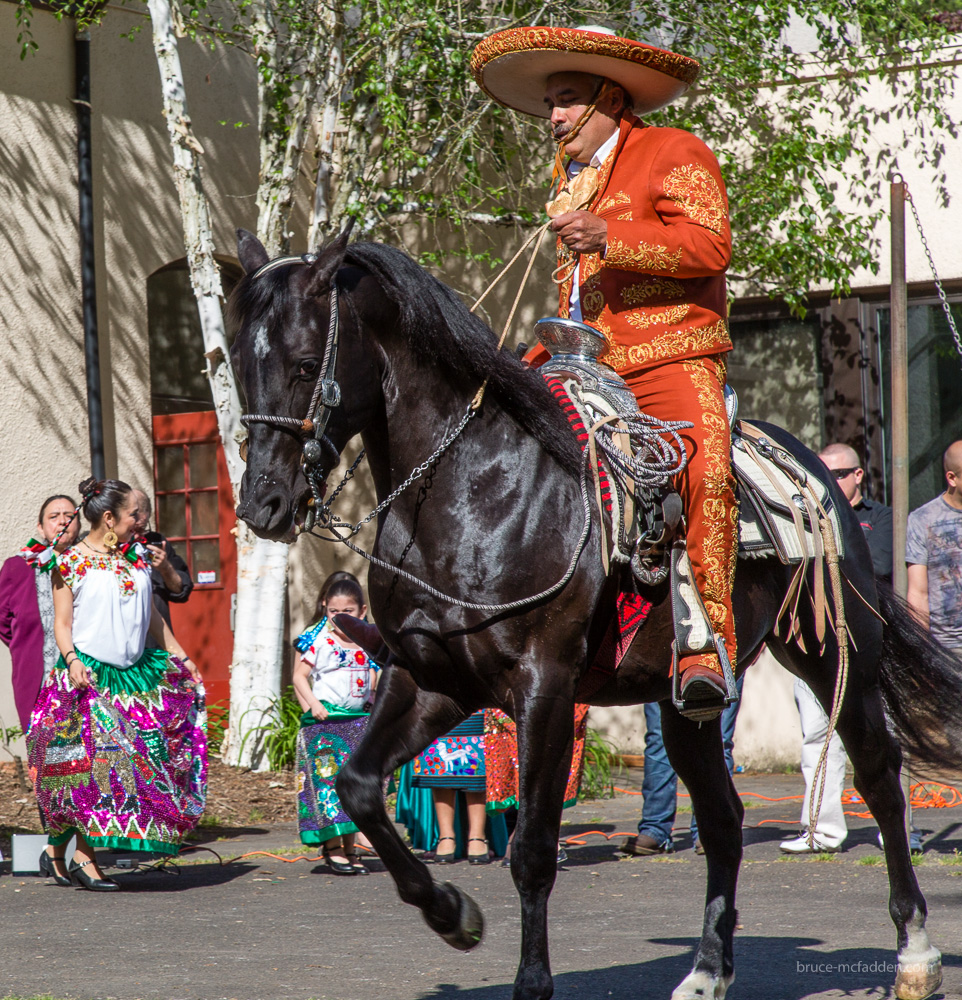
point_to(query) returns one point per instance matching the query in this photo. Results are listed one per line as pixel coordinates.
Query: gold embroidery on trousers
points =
(718, 543)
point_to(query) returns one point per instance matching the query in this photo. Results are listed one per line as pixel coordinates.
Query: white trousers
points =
(831, 828)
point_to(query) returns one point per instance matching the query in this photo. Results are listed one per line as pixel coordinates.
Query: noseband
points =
(327, 391)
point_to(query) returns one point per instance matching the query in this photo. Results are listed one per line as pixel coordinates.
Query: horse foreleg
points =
(876, 759)
(405, 720)
(545, 739)
(696, 754)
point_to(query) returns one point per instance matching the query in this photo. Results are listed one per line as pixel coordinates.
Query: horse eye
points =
(308, 368)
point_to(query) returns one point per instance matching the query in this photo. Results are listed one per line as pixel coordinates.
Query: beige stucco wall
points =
(43, 416)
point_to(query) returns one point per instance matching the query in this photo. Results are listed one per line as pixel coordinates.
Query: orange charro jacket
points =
(657, 292)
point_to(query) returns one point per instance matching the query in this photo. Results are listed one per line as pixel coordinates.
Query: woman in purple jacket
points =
(26, 603)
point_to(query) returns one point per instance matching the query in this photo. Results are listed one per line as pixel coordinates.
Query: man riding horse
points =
(643, 246)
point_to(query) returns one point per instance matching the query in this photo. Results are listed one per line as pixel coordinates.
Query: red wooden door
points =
(195, 510)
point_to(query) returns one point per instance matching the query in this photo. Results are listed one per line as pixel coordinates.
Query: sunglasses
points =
(843, 473)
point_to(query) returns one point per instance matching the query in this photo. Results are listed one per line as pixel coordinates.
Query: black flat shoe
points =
(49, 865)
(80, 878)
(338, 867)
(479, 859)
(356, 865)
(444, 859)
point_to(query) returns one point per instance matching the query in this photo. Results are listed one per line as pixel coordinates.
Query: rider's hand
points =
(319, 712)
(581, 231)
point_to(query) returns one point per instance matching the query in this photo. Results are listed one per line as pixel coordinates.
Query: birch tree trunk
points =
(261, 565)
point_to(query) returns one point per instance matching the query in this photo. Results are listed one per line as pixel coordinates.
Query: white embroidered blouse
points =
(112, 603)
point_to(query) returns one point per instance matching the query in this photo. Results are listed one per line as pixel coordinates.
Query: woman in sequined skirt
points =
(117, 743)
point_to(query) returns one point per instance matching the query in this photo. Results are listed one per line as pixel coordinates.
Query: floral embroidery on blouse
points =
(73, 566)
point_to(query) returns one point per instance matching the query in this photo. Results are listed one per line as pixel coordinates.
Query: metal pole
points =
(899, 408)
(95, 417)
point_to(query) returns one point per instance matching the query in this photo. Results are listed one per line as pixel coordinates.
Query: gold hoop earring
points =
(110, 539)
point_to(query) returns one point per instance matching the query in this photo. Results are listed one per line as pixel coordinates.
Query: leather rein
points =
(327, 396)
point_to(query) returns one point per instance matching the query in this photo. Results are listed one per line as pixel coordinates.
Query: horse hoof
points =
(701, 986)
(470, 927)
(919, 980)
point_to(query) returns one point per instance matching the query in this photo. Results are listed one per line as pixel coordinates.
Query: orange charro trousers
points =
(694, 391)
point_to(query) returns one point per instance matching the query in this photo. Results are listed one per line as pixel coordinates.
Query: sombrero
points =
(513, 66)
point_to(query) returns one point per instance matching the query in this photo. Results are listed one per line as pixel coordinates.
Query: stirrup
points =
(707, 709)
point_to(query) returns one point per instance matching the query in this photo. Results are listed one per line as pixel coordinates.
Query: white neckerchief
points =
(574, 168)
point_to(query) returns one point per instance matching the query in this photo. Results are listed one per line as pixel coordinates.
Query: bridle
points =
(326, 395)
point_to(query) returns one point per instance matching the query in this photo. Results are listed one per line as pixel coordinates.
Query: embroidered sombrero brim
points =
(513, 66)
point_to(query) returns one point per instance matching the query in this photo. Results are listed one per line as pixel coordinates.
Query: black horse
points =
(500, 522)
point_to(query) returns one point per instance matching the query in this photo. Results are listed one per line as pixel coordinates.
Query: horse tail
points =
(921, 683)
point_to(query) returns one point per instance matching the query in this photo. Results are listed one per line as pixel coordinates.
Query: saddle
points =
(781, 506)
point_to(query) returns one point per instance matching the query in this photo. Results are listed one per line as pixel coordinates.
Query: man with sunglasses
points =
(876, 520)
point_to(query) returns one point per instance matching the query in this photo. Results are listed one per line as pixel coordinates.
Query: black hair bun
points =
(90, 487)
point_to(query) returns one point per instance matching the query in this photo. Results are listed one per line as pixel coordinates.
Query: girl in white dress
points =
(334, 684)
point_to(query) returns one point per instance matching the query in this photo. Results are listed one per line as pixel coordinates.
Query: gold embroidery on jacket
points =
(641, 291)
(625, 217)
(592, 298)
(671, 345)
(649, 256)
(693, 189)
(663, 317)
(590, 266)
(613, 201)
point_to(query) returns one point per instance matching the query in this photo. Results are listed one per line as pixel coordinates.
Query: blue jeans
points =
(659, 787)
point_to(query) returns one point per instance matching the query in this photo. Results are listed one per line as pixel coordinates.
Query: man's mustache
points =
(558, 132)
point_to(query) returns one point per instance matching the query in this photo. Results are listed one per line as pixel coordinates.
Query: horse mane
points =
(439, 328)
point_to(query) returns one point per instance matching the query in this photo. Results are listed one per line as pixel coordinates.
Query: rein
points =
(327, 396)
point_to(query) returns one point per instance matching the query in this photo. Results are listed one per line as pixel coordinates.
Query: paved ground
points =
(261, 929)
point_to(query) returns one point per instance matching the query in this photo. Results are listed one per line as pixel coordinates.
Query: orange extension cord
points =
(925, 795)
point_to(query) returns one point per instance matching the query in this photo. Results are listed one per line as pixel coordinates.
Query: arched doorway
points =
(193, 502)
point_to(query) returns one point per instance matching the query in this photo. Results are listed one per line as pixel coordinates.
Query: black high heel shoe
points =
(338, 867)
(80, 878)
(479, 859)
(48, 867)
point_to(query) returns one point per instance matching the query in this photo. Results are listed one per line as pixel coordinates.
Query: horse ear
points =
(250, 251)
(329, 261)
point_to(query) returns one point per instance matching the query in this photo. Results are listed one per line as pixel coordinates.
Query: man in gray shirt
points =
(933, 552)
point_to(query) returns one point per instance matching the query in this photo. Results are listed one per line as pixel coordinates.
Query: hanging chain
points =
(328, 520)
(946, 308)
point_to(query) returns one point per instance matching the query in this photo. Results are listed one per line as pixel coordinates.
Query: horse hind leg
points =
(696, 754)
(545, 743)
(876, 759)
(404, 722)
